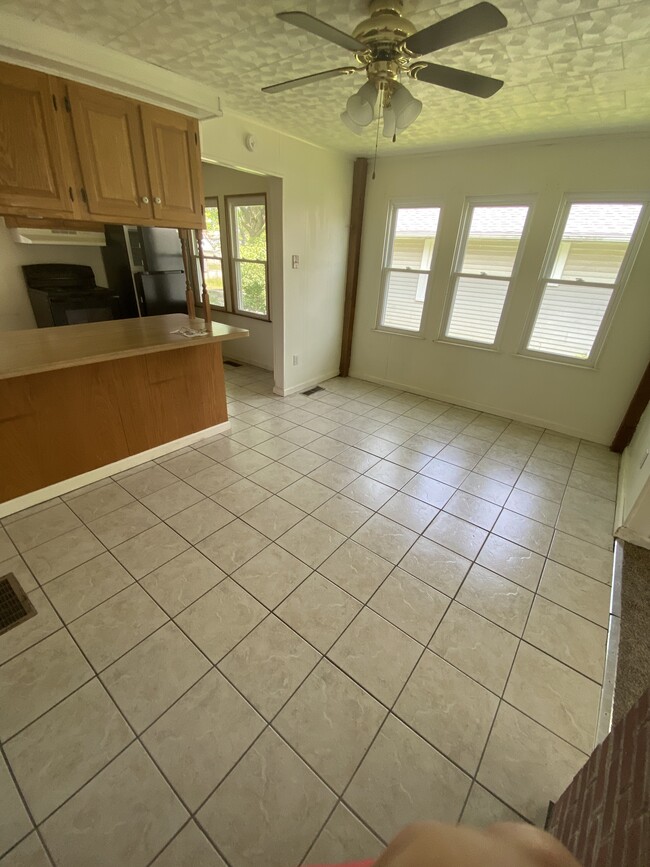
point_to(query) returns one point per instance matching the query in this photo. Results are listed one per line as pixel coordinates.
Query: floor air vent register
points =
(15, 606)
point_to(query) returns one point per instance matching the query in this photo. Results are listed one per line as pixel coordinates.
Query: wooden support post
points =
(205, 298)
(354, 250)
(634, 412)
(186, 252)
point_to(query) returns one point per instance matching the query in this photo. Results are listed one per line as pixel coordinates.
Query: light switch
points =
(295, 261)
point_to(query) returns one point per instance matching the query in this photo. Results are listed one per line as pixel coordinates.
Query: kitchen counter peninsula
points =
(76, 398)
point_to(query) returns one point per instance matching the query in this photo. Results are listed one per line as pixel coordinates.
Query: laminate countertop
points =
(41, 349)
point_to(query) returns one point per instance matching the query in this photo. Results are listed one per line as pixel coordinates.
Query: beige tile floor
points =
(358, 609)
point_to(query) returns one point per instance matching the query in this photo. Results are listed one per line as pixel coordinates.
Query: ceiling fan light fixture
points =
(406, 107)
(356, 128)
(361, 105)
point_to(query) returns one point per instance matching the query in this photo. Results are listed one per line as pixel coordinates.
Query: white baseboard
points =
(303, 386)
(67, 485)
(247, 361)
(479, 407)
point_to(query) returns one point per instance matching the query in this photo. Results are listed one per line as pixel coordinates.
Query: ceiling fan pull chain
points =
(379, 114)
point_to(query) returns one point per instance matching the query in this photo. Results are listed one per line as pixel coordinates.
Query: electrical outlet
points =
(295, 261)
(295, 360)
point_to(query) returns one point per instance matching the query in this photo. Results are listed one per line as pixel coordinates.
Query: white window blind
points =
(583, 277)
(407, 267)
(484, 269)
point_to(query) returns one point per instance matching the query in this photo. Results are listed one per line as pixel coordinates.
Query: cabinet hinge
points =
(56, 107)
(71, 194)
(196, 138)
(66, 102)
(84, 196)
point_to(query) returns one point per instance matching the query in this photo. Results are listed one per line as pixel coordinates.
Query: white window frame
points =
(232, 202)
(427, 256)
(424, 282)
(470, 203)
(212, 202)
(617, 287)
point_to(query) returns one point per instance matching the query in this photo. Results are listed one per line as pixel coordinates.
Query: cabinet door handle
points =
(145, 200)
(157, 200)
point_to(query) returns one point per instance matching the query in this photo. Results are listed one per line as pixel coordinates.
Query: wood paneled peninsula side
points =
(79, 397)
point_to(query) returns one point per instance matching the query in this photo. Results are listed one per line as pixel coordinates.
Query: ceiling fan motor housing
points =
(385, 26)
(384, 33)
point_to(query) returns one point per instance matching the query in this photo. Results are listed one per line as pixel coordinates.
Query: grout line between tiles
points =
(269, 722)
(26, 807)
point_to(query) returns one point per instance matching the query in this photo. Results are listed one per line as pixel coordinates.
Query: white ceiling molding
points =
(45, 48)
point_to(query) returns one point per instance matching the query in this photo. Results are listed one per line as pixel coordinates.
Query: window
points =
(213, 257)
(485, 263)
(239, 284)
(248, 255)
(409, 257)
(582, 276)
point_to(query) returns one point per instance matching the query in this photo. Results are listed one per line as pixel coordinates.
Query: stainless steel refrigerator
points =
(145, 266)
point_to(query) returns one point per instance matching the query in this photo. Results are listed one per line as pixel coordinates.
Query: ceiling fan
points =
(386, 46)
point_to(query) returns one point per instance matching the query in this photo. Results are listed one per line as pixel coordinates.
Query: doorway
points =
(242, 247)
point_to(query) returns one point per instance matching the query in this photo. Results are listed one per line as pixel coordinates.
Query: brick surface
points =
(601, 778)
(633, 846)
(603, 817)
(629, 750)
(640, 787)
(621, 829)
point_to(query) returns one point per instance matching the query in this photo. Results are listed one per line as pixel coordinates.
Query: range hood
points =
(58, 237)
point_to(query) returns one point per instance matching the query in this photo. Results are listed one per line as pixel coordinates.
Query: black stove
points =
(68, 295)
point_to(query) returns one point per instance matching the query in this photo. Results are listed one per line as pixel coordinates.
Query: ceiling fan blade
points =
(456, 79)
(322, 29)
(475, 21)
(307, 79)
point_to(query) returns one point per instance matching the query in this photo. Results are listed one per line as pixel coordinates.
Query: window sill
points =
(565, 362)
(243, 315)
(391, 333)
(465, 344)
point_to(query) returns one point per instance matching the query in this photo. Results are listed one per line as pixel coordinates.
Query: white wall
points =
(222, 181)
(219, 181)
(316, 189)
(633, 501)
(15, 309)
(584, 402)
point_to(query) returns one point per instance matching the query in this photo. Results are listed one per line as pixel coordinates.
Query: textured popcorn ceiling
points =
(570, 66)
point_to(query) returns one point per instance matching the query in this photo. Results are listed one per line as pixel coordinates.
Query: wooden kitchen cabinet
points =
(34, 174)
(174, 160)
(110, 147)
(77, 152)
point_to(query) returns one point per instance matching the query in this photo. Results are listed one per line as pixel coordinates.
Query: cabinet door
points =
(174, 162)
(111, 153)
(32, 176)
